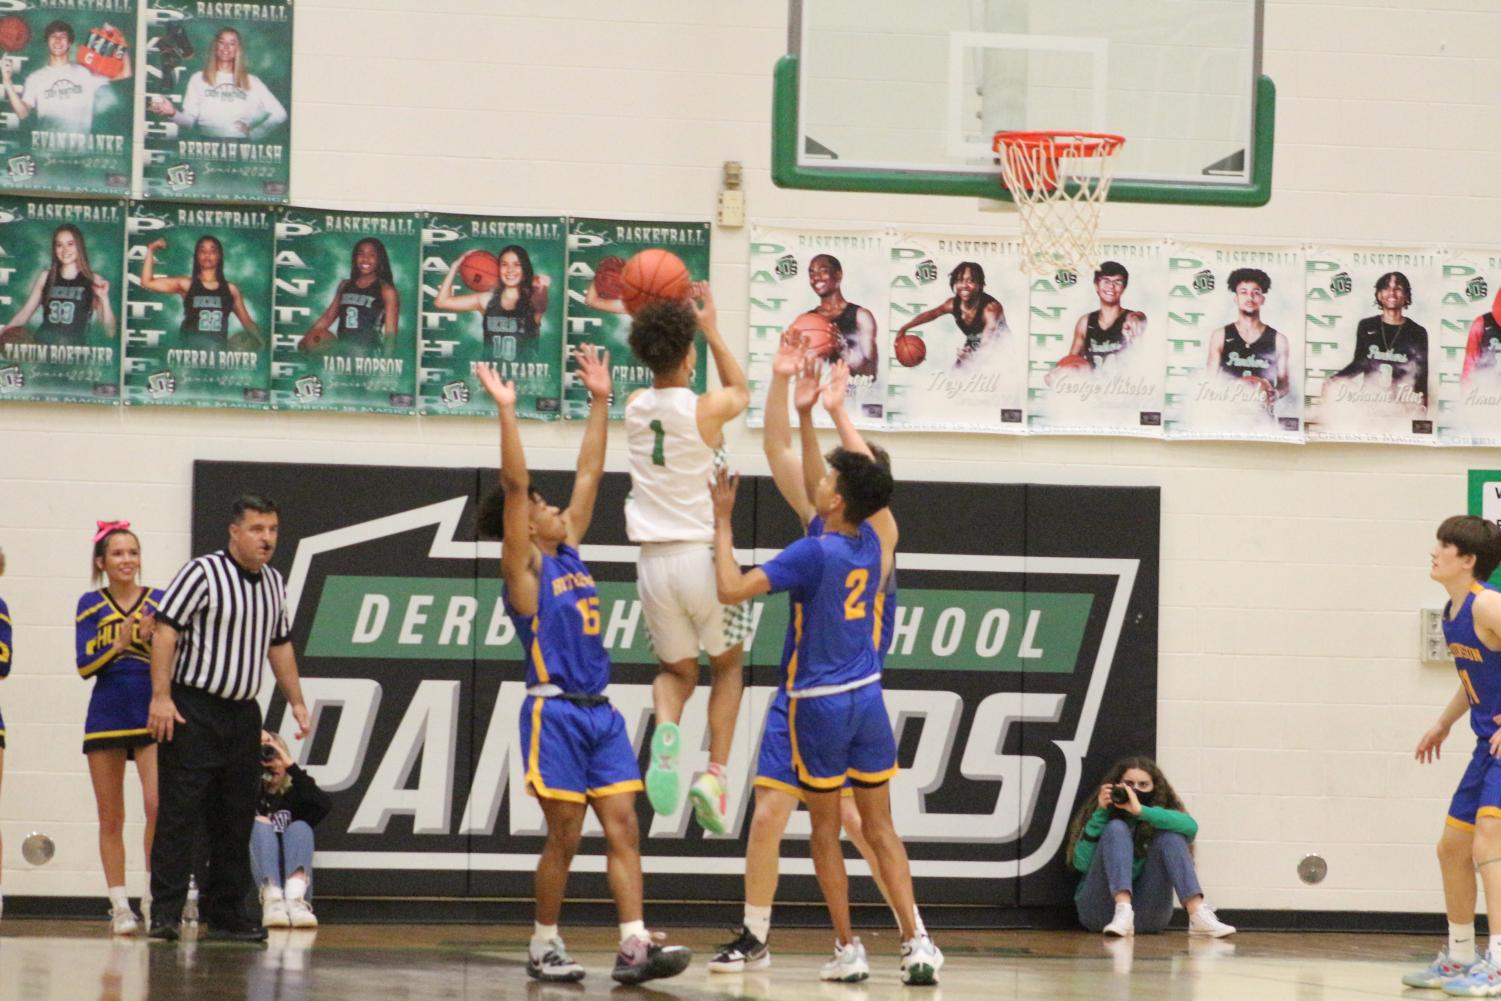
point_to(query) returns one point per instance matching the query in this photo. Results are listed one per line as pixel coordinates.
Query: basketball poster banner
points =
(344, 322)
(599, 251)
(957, 362)
(492, 295)
(68, 119)
(1234, 336)
(218, 100)
(835, 287)
(198, 308)
(1097, 345)
(1370, 359)
(1467, 352)
(60, 300)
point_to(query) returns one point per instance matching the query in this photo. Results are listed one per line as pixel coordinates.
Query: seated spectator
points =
(281, 841)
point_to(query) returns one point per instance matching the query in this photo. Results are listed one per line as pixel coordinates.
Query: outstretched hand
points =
(701, 297)
(806, 393)
(788, 361)
(1431, 743)
(502, 391)
(722, 491)
(833, 392)
(594, 370)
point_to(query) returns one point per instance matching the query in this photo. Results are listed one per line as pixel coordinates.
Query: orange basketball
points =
(910, 350)
(15, 33)
(815, 333)
(17, 335)
(480, 270)
(653, 274)
(1074, 362)
(317, 341)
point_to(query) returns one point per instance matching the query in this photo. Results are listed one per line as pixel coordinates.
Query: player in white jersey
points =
(676, 440)
(224, 100)
(61, 92)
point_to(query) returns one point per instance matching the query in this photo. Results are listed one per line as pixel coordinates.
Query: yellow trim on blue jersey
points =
(874, 778)
(629, 785)
(803, 775)
(1477, 588)
(797, 639)
(875, 633)
(4, 653)
(90, 611)
(94, 665)
(1456, 822)
(103, 734)
(533, 772)
(6, 619)
(1488, 811)
(538, 661)
(780, 786)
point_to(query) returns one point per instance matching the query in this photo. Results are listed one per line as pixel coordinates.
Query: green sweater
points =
(1158, 817)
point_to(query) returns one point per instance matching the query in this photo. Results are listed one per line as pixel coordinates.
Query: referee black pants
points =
(208, 780)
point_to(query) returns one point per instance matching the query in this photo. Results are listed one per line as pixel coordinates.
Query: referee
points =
(222, 617)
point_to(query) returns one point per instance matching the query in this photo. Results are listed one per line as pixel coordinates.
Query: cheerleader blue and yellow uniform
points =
(576, 744)
(1479, 792)
(5, 649)
(774, 768)
(836, 713)
(122, 679)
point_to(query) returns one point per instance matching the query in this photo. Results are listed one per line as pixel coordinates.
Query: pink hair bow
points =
(106, 527)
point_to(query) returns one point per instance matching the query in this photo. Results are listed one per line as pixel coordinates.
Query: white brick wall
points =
(1290, 691)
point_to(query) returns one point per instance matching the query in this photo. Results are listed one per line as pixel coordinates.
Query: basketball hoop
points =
(1058, 181)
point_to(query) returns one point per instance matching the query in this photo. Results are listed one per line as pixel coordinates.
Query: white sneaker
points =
(848, 965)
(1205, 922)
(122, 921)
(550, 961)
(921, 962)
(300, 913)
(1124, 922)
(274, 913)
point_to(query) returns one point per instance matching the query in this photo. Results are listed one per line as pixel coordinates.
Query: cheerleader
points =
(114, 627)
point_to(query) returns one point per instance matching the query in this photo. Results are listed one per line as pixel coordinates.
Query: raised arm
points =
(102, 306)
(13, 96)
(165, 284)
(594, 373)
(515, 483)
(883, 521)
(806, 398)
(447, 301)
(781, 457)
(720, 406)
(732, 585)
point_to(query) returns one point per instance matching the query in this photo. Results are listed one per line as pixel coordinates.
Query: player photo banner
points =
(218, 100)
(492, 295)
(1097, 344)
(1467, 355)
(598, 251)
(198, 308)
(957, 363)
(68, 118)
(1234, 340)
(344, 326)
(60, 297)
(1369, 357)
(834, 287)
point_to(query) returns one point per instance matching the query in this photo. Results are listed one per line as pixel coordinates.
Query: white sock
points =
(118, 898)
(270, 891)
(922, 929)
(632, 929)
(1462, 942)
(542, 934)
(296, 887)
(758, 920)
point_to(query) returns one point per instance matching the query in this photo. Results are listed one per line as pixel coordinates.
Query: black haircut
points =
(662, 334)
(883, 457)
(973, 268)
(59, 25)
(830, 260)
(1113, 269)
(490, 516)
(1406, 287)
(1473, 536)
(259, 503)
(1256, 275)
(864, 483)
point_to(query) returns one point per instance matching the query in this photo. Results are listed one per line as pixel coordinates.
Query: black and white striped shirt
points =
(226, 620)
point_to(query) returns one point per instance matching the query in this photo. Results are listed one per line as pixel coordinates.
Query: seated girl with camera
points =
(281, 840)
(1131, 840)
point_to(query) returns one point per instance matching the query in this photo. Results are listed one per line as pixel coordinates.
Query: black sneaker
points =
(640, 960)
(240, 931)
(745, 953)
(165, 932)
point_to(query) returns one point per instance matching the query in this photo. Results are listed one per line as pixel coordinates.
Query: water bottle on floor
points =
(190, 909)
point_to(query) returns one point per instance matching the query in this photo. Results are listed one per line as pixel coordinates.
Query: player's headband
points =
(106, 527)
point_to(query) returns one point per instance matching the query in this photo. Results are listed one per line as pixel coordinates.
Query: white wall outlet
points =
(1432, 645)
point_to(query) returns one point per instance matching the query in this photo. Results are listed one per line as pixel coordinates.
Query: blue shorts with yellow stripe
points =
(1479, 792)
(117, 710)
(576, 752)
(774, 767)
(2, 733)
(842, 736)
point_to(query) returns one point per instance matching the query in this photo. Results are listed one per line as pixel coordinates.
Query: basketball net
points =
(1058, 181)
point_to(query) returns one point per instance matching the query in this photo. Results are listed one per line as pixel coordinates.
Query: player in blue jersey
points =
(578, 751)
(1466, 554)
(836, 715)
(113, 630)
(5, 651)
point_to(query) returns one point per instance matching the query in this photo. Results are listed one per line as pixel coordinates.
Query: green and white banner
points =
(60, 296)
(199, 306)
(596, 313)
(492, 295)
(344, 327)
(1466, 353)
(68, 119)
(218, 100)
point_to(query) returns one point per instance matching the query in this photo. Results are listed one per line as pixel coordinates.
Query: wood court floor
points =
(71, 960)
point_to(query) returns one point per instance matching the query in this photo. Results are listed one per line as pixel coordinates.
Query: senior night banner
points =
(1097, 344)
(832, 290)
(958, 342)
(1234, 333)
(492, 294)
(1468, 349)
(69, 117)
(598, 249)
(218, 100)
(1370, 358)
(60, 292)
(198, 306)
(344, 328)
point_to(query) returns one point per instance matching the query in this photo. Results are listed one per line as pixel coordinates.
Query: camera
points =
(269, 753)
(1119, 796)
